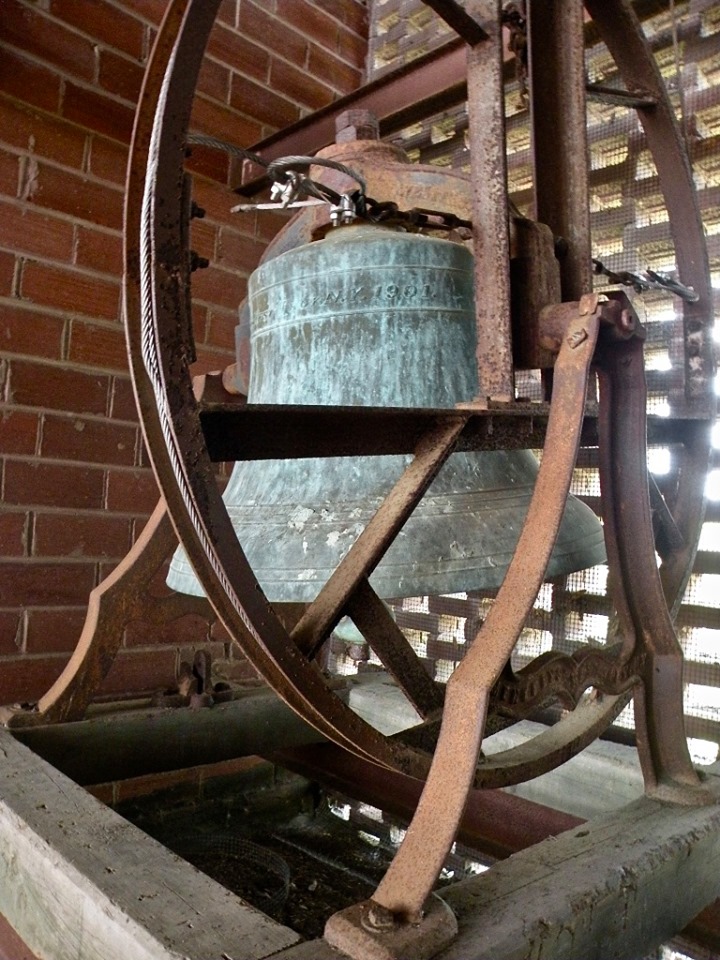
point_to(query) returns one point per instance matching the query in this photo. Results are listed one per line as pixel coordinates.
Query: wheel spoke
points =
(374, 620)
(367, 551)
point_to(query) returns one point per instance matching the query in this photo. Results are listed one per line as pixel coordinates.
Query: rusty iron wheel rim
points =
(314, 701)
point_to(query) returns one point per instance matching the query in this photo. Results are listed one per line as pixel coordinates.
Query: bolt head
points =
(576, 338)
(627, 321)
(377, 919)
(353, 125)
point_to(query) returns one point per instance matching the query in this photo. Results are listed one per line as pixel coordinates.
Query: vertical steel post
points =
(486, 116)
(559, 134)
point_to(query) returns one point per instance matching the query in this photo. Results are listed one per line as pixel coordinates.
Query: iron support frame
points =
(491, 241)
(160, 349)
(556, 55)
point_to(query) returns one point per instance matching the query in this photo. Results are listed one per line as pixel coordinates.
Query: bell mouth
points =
(296, 520)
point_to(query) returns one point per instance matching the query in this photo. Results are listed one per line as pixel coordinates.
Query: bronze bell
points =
(374, 317)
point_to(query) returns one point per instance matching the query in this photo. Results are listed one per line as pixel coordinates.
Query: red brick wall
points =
(76, 488)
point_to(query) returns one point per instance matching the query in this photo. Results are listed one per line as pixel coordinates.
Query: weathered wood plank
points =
(618, 887)
(131, 743)
(77, 882)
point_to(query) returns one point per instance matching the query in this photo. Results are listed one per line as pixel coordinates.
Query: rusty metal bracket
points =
(649, 640)
(195, 686)
(370, 932)
(649, 657)
(122, 597)
(488, 163)
(618, 320)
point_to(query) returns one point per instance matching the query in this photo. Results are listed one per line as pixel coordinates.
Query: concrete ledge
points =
(602, 777)
(77, 881)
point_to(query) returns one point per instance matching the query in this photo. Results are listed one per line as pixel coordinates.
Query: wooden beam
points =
(76, 880)
(138, 742)
(618, 886)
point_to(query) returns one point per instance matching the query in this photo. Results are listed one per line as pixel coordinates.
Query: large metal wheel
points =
(160, 349)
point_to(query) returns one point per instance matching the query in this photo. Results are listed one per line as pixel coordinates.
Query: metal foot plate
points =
(352, 931)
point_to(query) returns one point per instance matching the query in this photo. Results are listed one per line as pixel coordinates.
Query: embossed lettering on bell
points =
(374, 317)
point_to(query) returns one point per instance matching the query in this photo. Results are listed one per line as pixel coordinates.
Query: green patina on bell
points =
(372, 317)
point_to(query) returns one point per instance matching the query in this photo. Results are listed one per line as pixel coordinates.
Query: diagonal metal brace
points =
(394, 924)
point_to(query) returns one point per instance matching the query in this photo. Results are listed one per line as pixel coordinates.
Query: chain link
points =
(650, 280)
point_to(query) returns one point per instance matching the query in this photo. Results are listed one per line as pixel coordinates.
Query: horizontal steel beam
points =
(456, 16)
(260, 432)
(426, 86)
(413, 92)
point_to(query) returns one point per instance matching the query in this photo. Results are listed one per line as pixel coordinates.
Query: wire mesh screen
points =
(630, 232)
